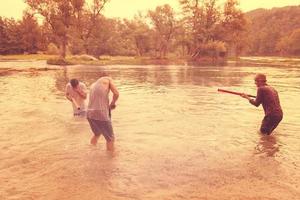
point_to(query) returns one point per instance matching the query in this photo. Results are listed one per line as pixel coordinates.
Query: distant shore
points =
(131, 60)
(90, 60)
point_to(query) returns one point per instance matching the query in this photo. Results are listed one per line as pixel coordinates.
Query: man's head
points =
(74, 83)
(260, 80)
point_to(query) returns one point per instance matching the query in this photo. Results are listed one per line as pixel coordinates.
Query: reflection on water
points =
(267, 145)
(177, 138)
(159, 75)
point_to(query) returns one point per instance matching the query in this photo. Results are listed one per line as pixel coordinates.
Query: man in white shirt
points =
(76, 93)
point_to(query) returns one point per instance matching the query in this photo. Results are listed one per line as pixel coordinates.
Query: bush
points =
(58, 61)
(52, 49)
(84, 57)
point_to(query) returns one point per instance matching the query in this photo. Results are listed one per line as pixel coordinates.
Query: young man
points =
(98, 112)
(268, 97)
(76, 93)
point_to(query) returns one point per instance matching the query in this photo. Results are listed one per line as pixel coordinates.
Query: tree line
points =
(203, 28)
(274, 32)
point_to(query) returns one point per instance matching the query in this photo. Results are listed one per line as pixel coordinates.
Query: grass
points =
(103, 60)
(120, 60)
(59, 61)
(125, 60)
(26, 57)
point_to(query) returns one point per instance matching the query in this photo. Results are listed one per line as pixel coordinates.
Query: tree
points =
(290, 45)
(12, 37)
(193, 18)
(3, 37)
(270, 29)
(163, 20)
(138, 34)
(211, 20)
(102, 40)
(59, 14)
(295, 42)
(30, 33)
(203, 19)
(234, 26)
(87, 19)
(183, 39)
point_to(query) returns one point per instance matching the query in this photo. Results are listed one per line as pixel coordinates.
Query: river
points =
(177, 138)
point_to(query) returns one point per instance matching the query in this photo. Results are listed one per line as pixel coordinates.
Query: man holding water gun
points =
(268, 97)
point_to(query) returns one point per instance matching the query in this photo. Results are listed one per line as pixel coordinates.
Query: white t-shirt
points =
(98, 107)
(73, 94)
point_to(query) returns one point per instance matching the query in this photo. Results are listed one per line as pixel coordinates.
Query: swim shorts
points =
(102, 127)
(269, 123)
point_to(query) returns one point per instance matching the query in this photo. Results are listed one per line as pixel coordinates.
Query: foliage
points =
(206, 23)
(58, 61)
(52, 49)
(269, 30)
(205, 28)
(137, 35)
(163, 21)
(290, 45)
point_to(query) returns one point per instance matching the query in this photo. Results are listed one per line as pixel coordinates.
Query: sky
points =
(128, 8)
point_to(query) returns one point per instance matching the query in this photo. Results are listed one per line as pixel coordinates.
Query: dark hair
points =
(74, 82)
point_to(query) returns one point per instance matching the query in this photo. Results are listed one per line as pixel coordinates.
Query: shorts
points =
(102, 127)
(269, 123)
(80, 114)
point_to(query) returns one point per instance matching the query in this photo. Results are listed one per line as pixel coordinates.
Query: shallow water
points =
(176, 136)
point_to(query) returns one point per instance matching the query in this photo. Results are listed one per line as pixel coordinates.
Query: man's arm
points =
(81, 90)
(257, 101)
(67, 93)
(115, 92)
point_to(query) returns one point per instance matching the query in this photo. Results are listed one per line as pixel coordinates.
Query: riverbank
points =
(90, 60)
(116, 60)
(28, 57)
(55, 62)
(269, 61)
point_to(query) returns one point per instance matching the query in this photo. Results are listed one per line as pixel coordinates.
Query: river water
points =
(176, 136)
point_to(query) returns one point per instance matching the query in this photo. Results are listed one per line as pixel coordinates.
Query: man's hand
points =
(112, 106)
(78, 90)
(245, 96)
(68, 97)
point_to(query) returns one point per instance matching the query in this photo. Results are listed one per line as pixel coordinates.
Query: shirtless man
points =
(98, 112)
(268, 97)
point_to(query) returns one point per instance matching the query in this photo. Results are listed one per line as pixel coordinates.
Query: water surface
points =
(176, 136)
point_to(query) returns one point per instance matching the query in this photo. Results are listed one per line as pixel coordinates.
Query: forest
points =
(274, 32)
(202, 29)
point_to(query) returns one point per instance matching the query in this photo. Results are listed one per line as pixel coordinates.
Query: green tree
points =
(193, 18)
(3, 37)
(13, 37)
(30, 33)
(202, 19)
(295, 42)
(290, 45)
(138, 34)
(234, 26)
(270, 29)
(183, 39)
(163, 20)
(87, 20)
(102, 40)
(59, 14)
